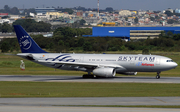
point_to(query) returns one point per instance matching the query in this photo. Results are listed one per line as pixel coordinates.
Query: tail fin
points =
(27, 44)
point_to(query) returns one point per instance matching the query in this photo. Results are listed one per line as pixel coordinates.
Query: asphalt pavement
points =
(86, 101)
(130, 79)
(80, 109)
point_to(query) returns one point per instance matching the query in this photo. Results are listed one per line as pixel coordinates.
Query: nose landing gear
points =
(158, 75)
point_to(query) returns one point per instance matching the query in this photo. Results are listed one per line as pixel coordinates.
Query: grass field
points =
(67, 89)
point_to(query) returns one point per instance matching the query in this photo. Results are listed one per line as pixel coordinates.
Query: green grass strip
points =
(66, 89)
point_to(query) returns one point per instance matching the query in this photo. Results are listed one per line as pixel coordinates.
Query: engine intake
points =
(104, 72)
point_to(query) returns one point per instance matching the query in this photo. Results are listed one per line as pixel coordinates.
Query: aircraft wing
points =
(86, 65)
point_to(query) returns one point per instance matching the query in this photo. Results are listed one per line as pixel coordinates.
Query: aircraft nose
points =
(174, 65)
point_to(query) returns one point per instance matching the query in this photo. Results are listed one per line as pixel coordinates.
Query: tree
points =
(70, 11)
(109, 9)
(171, 21)
(169, 13)
(126, 18)
(80, 42)
(25, 23)
(145, 51)
(15, 11)
(66, 32)
(31, 25)
(136, 20)
(7, 9)
(162, 34)
(82, 22)
(87, 46)
(152, 18)
(6, 28)
(5, 47)
(157, 17)
(169, 34)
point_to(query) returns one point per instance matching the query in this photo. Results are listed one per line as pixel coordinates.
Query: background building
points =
(131, 32)
(177, 11)
(125, 13)
(3, 14)
(44, 10)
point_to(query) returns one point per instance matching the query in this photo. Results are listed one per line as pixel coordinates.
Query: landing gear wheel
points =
(157, 77)
(88, 76)
(99, 76)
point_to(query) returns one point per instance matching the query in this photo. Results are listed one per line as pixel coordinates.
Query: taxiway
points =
(129, 79)
(80, 109)
(82, 104)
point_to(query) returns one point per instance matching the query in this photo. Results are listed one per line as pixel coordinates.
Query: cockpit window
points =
(169, 61)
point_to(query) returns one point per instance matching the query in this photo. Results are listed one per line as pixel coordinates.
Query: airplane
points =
(101, 65)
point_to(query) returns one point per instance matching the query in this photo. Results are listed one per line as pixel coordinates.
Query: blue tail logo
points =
(27, 44)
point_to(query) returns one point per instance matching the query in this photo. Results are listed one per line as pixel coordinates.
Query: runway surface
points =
(80, 109)
(130, 79)
(85, 101)
(79, 104)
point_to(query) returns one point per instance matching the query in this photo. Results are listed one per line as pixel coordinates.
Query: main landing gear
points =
(158, 75)
(88, 76)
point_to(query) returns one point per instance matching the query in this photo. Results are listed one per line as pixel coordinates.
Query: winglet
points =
(27, 44)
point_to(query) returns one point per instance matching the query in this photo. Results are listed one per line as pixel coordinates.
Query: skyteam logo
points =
(25, 42)
(63, 57)
(139, 64)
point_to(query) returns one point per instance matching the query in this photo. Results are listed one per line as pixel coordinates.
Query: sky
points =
(115, 4)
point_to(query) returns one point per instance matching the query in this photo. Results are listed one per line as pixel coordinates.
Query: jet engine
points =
(129, 73)
(104, 72)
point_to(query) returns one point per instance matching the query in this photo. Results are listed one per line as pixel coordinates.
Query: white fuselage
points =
(124, 62)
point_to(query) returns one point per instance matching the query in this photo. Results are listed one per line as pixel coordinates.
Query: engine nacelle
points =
(129, 73)
(104, 72)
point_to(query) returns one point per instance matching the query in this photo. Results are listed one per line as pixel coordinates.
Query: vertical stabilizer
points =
(27, 44)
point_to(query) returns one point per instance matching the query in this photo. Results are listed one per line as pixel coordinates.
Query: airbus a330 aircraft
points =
(101, 65)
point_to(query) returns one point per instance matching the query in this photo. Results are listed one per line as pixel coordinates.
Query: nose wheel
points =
(158, 75)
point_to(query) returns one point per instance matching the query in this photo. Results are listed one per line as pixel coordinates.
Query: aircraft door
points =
(81, 59)
(158, 61)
